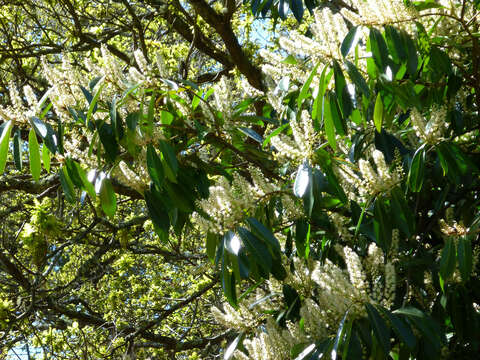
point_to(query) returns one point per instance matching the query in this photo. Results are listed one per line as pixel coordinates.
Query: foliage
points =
(331, 195)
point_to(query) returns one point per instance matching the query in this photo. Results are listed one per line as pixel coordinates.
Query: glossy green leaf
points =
(448, 260)
(67, 185)
(403, 214)
(297, 9)
(4, 142)
(79, 177)
(343, 97)
(154, 166)
(211, 246)
(464, 255)
(357, 78)
(302, 180)
(350, 41)
(290, 60)
(93, 102)
(45, 131)
(416, 173)
(274, 133)
(302, 229)
(156, 209)
(108, 199)
(257, 248)
(329, 126)
(34, 153)
(380, 328)
(262, 232)
(17, 151)
(401, 328)
(425, 324)
(109, 142)
(229, 351)
(169, 156)
(379, 49)
(46, 158)
(228, 285)
(378, 113)
(381, 224)
(306, 86)
(395, 44)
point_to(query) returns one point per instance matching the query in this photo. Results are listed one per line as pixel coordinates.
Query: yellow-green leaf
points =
(378, 113)
(34, 153)
(4, 140)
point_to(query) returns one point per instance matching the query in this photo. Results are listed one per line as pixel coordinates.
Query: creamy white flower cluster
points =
(273, 344)
(17, 112)
(370, 182)
(379, 12)
(432, 131)
(304, 140)
(229, 203)
(242, 319)
(338, 290)
(329, 30)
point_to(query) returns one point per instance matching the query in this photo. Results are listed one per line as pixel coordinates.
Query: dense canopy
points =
(248, 180)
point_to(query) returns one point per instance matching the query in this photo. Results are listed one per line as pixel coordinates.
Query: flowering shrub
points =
(338, 202)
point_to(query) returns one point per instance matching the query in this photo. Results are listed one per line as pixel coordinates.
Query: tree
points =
(325, 181)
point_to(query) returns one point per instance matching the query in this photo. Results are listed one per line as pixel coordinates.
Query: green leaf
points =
(251, 134)
(344, 99)
(297, 9)
(464, 254)
(93, 102)
(329, 126)
(109, 142)
(380, 329)
(233, 346)
(395, 44)
(211, 246)
(318, 103)
(379, 49)
(416, 173)
(46, 158)
(108, 199)
(154, 166)
(4, 142)
(169, 156)
(156, 209)
(290, 60)
(79, 177)
(274, 133)
(302, 180)
(17, 151)
(34, 153)
(113, 115)
(378, 113)
(67, 185)
(302, 229)
(357, 78)
(350, 41)
(381, 224)
(263, 233)
(257, 248)
(45, 131)
(424, 323)
(404, 217)
(228, 285)
(447, 262)
(339, 336)
(306, 86)
(401, 328)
